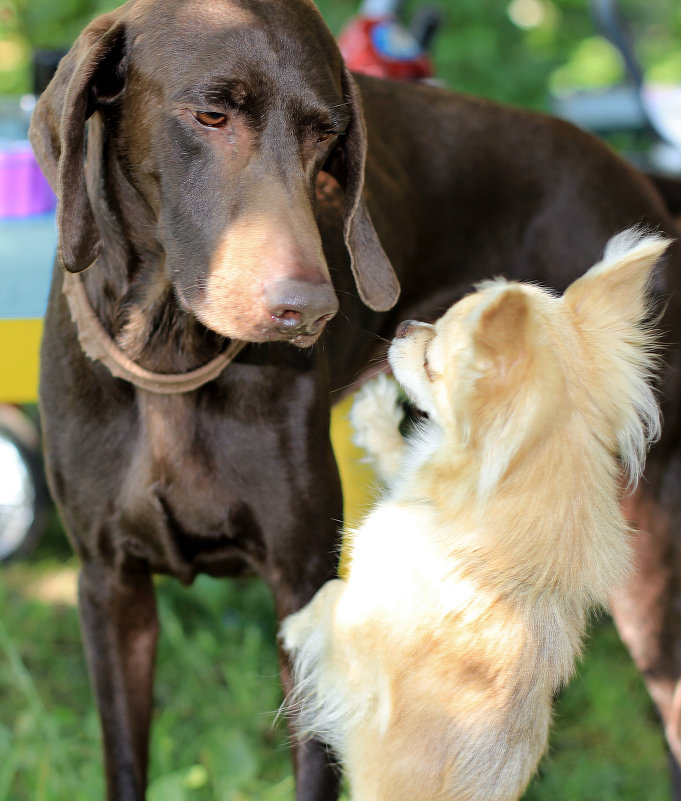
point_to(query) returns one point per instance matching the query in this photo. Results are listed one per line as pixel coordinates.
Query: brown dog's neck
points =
(146, 322)
(98, 345)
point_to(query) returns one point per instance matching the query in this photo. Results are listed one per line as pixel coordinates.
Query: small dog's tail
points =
(613, 308)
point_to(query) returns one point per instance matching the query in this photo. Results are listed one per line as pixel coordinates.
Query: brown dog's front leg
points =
(316, 767)
(317, 776)
(120, 628)
(317, 773)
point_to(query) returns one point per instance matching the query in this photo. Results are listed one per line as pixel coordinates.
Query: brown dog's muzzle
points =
(267, 279)
(300, 307)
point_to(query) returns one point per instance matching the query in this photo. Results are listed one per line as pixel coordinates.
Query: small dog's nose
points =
(404, 329)
(295, 304)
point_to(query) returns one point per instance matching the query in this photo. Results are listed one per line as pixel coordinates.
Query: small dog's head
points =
(511, 362)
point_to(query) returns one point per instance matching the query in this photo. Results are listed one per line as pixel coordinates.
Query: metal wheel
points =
(23, 494)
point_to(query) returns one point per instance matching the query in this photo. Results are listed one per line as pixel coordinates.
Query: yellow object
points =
(358, 479)
(19, 360)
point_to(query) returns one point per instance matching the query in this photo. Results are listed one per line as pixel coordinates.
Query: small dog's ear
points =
(615, 289)
(495, 409)
(611, 305)
(500, 336)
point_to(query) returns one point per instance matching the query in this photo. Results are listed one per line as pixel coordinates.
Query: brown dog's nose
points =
(296, 305)
(404, 329)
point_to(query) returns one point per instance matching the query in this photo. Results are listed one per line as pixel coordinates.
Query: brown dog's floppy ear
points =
(90, 74)
(374, 276)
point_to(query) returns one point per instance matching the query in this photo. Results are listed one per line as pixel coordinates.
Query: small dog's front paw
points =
(376, 415)
(375, 412)
(297, 629)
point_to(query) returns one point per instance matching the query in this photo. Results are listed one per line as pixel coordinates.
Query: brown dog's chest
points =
(183, 530)
(182, 505)
(212, 481)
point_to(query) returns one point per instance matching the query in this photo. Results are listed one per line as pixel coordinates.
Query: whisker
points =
(380, 338)
(357, 383)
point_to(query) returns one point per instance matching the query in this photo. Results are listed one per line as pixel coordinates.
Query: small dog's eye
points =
(325, 136)
(210, 119)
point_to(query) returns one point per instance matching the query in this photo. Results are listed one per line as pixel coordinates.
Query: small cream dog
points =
(431, 669)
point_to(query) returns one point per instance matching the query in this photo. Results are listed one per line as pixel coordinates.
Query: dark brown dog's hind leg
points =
(648, 613)
(120, 628)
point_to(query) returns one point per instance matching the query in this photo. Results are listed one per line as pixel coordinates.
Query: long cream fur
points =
(431, 669)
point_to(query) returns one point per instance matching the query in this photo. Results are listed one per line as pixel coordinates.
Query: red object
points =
(382, 47)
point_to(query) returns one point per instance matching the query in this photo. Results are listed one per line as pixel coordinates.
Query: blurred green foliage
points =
(42, 24)
(510, 50)
(216, 736)
(521, 50)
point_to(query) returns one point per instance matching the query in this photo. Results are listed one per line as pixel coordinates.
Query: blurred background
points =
(519, 51)
(215, 736)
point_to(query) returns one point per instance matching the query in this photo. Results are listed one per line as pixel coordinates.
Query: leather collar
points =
(98, 345)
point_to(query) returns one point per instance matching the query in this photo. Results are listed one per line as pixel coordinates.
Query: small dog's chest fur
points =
(431, 670)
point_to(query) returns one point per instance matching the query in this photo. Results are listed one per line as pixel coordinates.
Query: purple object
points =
(24, 190)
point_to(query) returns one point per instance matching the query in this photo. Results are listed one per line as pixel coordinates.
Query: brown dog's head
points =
(213, 119)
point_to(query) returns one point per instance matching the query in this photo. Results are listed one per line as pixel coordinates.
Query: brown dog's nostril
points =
(404, 329)
(325, 318)
(296, 304)
(289, 318)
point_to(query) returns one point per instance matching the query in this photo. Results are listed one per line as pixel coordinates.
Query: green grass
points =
(606, 744)
(217, 692)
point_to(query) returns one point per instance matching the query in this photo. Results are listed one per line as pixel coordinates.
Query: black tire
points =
(24, 500)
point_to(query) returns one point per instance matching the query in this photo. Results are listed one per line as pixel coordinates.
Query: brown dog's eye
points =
(211, 119)
(325, 136)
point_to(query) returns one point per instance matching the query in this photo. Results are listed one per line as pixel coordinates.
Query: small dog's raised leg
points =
(376, 416)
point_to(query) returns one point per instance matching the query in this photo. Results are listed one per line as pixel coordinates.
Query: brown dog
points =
(206, 211)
